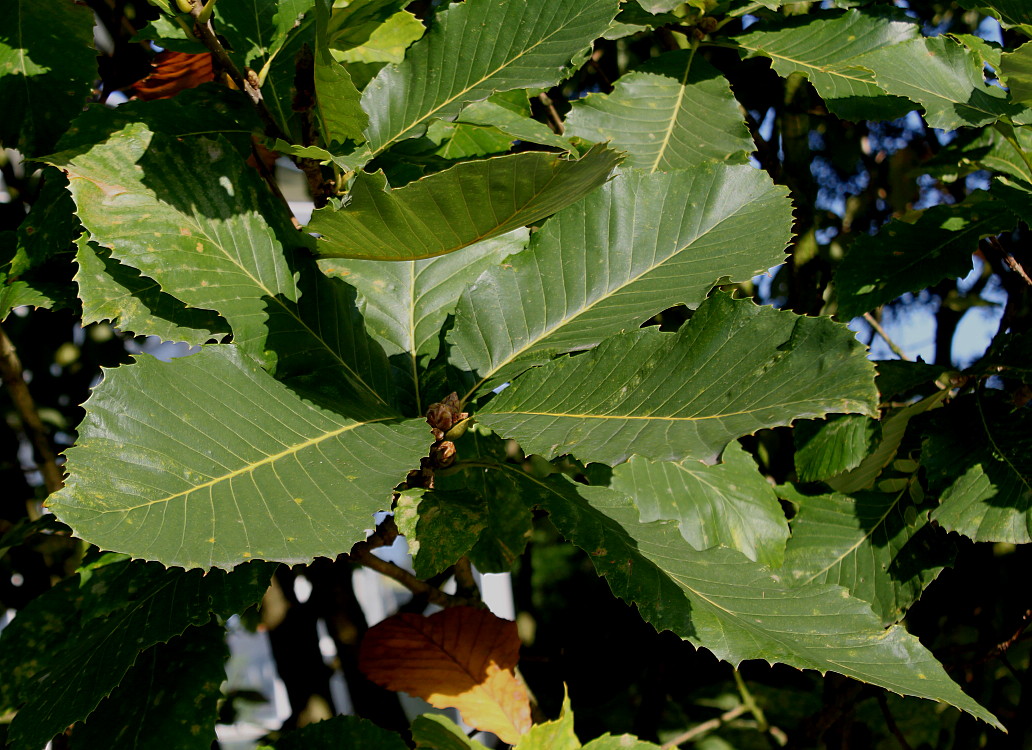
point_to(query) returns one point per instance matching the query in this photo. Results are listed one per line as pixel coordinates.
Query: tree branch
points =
(873, 322)
(14, 379)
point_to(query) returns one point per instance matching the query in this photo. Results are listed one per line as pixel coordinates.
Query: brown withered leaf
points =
(174, 72)
(459, 658)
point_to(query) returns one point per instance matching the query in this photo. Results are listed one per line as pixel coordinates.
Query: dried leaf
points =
(174, 72)
(459, 658)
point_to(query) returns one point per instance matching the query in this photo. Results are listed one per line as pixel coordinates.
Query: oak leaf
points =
(459, 658)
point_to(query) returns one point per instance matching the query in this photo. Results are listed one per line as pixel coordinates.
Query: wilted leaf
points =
(458, 658)
(174, 72)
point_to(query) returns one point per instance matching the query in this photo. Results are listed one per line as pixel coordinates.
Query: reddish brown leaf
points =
(174, 72)
(458, 658)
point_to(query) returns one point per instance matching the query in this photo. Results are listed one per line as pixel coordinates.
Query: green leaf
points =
(440, 527)
(438, 732)
(387, 43)
(352, 25)
(892, 431)
(1016, 68)
(192, 216)
(878, 545)
(351, 732)
(119, 294)
(25, 293)
(720, 600)
(171, 692)
(906, 256)
(828, 48)
(1009, 12)
(337, 98)
(474, 49)
(47, 67)
(405, 303)
(944, 77)
(258, 29)
(461, 140)
(125, 608)
(495, 112)
(47, 230)
(977, 455)
(824, 449)
(640, 244)
(897, 377)
(734, 368)
(619, 742)
(675, 112)
(552, 735)
(450, 210)
(729, 504)
(168, 34)
(200, 480)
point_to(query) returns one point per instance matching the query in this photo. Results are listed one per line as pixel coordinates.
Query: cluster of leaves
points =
(461, 246)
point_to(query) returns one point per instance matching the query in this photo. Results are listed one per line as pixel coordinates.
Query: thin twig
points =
(554, 120)
(205, 33)
(1001, 648)
(14, 379)
(385, 534)
(890, 722)
(1009, 259)
(750, 702)
(885, 337)
(707, 726)
(465, 583)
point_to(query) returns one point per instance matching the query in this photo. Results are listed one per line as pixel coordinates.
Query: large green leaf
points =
(405, 303)
(906, 256)
(977, 455)
(720, 600)
(450, 210)
(438, 732)
(124, 608)
(440, 527)
(192, 216)
(944, 77)
(119, 294)
(734, 368)
(337, 98)
(353, 24)
(48, 229)
(878, 545)
(639, 245)
(474, 49)
(512, 117)
(828, 48)
(199, 479)
(47, 66)
(674, 112)
(730, 504)
(171, 692)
